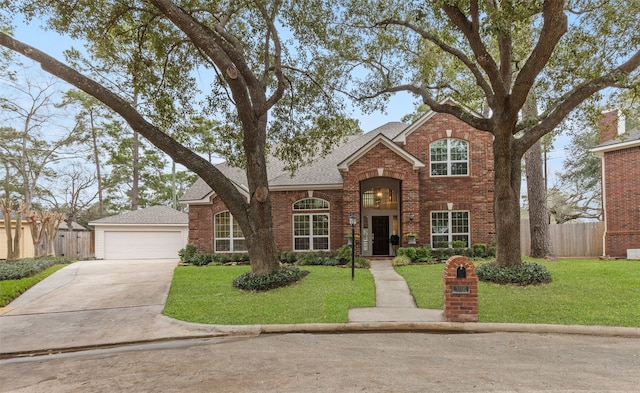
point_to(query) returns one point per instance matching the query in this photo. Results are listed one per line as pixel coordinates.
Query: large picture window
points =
(310, 232)
(228, 235)
(449, 226)
(449, 157)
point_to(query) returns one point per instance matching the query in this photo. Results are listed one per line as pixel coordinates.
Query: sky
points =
(399, 105)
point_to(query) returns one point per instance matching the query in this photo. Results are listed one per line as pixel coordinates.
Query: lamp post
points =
(352, 222)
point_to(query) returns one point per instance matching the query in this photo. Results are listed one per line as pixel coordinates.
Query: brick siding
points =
(622, 178)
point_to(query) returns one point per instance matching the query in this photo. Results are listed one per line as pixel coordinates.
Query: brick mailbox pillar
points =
(460, 290)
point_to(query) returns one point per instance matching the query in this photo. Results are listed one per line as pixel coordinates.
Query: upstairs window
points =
(449, 157)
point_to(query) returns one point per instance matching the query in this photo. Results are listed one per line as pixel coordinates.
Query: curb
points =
(355, 327)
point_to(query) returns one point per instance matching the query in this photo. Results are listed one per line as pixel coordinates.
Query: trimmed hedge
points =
(276, 279)
(528, 273)
(16, 270)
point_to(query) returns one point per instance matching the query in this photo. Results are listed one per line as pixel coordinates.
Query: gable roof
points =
(380, 139)
(154, 215)
(321, 173)
(401, 138)
(628, 139)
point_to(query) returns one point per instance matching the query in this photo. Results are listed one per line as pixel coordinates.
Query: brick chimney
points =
(611, 125)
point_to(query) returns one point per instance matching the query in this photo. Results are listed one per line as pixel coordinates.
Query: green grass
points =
(205, 295)
(11, 289)
(583, 292)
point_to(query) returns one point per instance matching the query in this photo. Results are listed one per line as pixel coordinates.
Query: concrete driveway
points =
(94, 303)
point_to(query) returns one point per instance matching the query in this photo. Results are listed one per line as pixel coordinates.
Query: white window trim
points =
(449, 162)
(311, 236)
(231, 239)
(293, 205)
(449, 232)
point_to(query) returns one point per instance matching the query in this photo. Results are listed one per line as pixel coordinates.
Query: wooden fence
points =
(75, 244)
(582, 239)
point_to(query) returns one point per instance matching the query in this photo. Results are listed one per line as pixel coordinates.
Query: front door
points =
(380, 229)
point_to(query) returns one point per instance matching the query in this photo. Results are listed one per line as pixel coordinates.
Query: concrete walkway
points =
(394, 302)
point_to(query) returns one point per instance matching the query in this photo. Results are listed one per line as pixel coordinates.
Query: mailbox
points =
(460, 290)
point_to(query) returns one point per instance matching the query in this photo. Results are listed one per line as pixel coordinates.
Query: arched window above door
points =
(380, 199)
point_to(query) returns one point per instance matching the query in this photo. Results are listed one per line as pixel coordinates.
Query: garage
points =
(157, 232)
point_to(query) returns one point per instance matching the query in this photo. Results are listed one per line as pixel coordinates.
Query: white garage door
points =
(142, 245)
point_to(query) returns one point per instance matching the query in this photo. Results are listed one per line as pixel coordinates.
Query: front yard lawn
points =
(205, 295)
(583, 292)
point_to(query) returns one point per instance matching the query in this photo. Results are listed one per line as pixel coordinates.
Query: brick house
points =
(434, 178)
(619, 153)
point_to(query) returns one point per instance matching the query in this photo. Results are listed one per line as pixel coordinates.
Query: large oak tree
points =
(269, 91)
(488, 55)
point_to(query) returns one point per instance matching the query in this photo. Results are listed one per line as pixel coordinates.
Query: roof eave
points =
(599, 151)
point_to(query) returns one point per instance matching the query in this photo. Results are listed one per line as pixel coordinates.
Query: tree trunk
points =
(507, 177)
(536, 190)
(136, 172)
(261, 244)
(96, 157)
(17, 251)
(537, 196)
(6, 205)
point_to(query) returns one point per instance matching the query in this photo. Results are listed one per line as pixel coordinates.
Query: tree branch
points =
(551, 118)
(209, 173)
(483, 57)
(555, 24)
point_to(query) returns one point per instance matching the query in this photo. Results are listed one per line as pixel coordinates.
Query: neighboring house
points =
(26, 241)
(157, 232)
(434, 177)
(619, 153)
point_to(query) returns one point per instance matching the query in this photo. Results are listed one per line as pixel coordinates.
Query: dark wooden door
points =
(380, 229)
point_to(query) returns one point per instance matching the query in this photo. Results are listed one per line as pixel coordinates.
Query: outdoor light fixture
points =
(352, 222)
(410, 216)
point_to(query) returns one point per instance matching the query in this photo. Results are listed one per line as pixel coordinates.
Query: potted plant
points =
(395, 242)
(348, 237)
(411, 237)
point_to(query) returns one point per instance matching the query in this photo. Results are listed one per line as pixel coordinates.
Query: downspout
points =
(604, 205)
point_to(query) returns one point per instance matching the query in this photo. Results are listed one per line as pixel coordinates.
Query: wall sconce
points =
(410, 216)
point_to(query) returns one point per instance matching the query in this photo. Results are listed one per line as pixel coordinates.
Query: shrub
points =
(401, 260)
(479, 250)
(317, 259)
(200, 259)
(362, 263)
(187, 253)
(409, 252)
(288, 257)
(441, 244)
(459, 244)
(423, 254)
(16, 270)
(220, 259)
(344, 254)
(528, 273)
(279, 278)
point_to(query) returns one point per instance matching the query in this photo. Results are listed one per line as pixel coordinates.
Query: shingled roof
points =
(321, 172)
(628, 139)
(154, 215)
